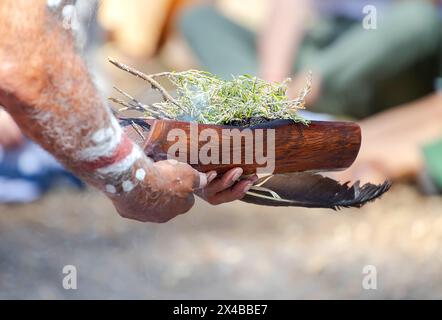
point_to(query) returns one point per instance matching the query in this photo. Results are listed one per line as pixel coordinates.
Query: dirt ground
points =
(233, 251)
(230, 251)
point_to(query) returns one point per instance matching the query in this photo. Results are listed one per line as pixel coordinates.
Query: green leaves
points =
(206, 98)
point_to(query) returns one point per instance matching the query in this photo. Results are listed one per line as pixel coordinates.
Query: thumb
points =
(200, 180)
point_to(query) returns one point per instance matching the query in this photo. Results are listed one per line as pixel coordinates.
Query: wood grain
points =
(320, 146)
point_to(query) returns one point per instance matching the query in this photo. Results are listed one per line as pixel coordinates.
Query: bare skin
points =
(279, 43)
(46, 88)
(392, 141)
(225, 188)
(10, 134)
(281, 37)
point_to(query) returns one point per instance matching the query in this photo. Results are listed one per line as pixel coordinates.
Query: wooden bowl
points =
(319, 146)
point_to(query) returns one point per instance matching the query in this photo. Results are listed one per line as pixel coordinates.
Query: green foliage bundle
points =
(208, 99)
(205, 98)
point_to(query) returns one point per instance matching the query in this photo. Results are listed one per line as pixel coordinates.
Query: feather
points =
(313, 191)
(301, 189)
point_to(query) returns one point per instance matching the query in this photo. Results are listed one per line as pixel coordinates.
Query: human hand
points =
(165, 192)
(226, 188)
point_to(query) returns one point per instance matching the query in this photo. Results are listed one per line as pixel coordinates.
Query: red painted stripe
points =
(121, 151)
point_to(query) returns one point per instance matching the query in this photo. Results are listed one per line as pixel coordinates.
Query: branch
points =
(149, 79)
(156, 114)
(133, 124)
(160, 74)
(137, 106)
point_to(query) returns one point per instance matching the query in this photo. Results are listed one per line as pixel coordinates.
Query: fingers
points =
(227, 188)
(189, 179)
(211, 176)
(236, 193)
(200, 181)
(197, 180)
(223, 183)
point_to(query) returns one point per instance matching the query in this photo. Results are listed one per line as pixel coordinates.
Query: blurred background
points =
(375, 62)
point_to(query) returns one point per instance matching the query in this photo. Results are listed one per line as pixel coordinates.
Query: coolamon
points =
(320, 146)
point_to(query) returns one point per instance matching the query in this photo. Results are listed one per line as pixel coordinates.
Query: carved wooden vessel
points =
(320, 146)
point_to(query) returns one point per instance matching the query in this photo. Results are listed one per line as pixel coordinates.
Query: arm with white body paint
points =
(45, 86)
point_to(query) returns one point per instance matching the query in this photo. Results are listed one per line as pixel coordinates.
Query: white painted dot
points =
(68, 10)
(111, 189)
(70, 19)
(140, 174)
(149, 161)
(110, 132)
(128, 186)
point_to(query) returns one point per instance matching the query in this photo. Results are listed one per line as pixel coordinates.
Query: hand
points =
(10, 134)
(166, 192)
(226, 188)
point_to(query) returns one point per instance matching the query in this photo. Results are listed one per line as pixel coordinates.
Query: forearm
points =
(281, 37)
(46, 87)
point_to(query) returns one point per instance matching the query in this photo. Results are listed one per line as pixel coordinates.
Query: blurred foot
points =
(392, 142)
(365, 172)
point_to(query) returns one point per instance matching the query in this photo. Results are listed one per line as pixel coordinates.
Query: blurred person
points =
(26, 170)
(404, 142)
(46, 88)
(356, 72)
(137, 26)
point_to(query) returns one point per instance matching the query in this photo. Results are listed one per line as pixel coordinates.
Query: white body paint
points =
(53, 3)
(106, 140)
(123, 165)
(128, 186)
(140, 174)
(111, 189)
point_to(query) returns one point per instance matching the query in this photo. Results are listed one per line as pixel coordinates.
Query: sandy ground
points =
(230, 251)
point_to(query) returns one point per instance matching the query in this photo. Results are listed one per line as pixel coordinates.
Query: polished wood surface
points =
(320, 146)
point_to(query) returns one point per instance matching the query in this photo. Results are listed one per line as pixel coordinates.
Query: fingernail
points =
(203, 180)
(237, 175)
(211, 177)
(247, 187)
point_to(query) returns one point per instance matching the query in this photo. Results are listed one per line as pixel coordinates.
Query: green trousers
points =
(363, 71)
